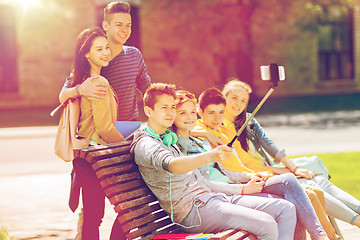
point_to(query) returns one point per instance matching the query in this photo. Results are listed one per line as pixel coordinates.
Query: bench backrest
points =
(141, 216)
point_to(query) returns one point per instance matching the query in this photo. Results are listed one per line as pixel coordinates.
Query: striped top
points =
(125, 73)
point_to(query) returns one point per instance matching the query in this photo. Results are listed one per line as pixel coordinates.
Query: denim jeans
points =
(287, 186)
(339, 204)
(267, 218)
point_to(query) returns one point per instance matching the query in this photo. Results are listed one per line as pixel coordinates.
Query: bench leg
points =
(336, 227)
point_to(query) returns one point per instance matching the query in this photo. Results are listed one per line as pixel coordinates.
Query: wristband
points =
(242, 190)
(77, 90)
(293, 171)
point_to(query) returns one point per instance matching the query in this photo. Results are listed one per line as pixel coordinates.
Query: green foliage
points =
(344, 169)
(4, 235)
(318, 12)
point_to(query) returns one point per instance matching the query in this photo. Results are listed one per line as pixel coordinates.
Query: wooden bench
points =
(140, 214)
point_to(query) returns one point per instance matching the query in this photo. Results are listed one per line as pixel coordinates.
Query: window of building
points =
(336, 51)
(8, 56)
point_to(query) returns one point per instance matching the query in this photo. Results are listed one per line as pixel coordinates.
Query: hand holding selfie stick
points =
(274, 78)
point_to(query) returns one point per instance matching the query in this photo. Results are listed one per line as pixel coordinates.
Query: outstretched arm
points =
(184, 164)
(298, 171)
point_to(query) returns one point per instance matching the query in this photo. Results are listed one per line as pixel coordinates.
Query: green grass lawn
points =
(344, 169)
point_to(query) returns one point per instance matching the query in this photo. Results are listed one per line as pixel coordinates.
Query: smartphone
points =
(265, 73)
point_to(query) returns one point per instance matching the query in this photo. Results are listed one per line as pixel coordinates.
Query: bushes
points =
(4, 235)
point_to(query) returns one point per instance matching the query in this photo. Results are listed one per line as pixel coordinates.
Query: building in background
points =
(192, 43)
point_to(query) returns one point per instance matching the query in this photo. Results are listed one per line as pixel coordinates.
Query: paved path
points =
(34, 183)
(34, 186)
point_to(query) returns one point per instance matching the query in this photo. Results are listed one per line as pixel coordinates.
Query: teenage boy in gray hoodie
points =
(191, 201)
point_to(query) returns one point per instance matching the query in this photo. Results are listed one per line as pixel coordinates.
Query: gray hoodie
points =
(153, 157)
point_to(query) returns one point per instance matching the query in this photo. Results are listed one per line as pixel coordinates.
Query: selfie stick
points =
(274, 78)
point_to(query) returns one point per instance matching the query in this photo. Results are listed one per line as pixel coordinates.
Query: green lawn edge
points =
(344, 169)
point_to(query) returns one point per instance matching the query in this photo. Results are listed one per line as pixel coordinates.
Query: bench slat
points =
(239, 235)
(150, 230)
(129, 195)
(93, 156)
(134, 203)
(112, 180)
(119, 188)
(112, 161)
(83, 152)
(109, 171)
(146, 219)
(223, 235)
(140, 214)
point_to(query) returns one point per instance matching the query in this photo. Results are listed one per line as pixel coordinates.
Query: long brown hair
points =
(241, 118)
(84, 42)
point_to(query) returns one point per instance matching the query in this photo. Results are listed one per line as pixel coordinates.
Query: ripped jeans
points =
(287, 186)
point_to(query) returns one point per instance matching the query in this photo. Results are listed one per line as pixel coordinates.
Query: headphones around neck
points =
(168, 138)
